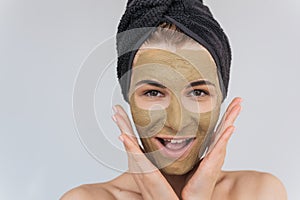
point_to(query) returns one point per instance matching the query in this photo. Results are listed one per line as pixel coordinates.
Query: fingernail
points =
(114, 118)
(121, 138)
(115, 109)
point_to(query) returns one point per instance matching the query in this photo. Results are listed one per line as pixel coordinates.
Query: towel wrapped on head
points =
(141, 18)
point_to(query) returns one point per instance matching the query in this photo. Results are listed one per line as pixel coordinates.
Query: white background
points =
(43, 44)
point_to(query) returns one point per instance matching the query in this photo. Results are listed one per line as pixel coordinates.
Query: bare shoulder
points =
(252, 185)
(121, 187)
(89, 192)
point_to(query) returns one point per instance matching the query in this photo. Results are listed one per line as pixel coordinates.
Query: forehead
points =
(189, 63)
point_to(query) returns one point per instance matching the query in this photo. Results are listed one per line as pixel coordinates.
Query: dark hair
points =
(142, 19)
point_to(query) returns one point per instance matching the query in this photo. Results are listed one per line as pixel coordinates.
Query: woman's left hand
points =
(202, 183)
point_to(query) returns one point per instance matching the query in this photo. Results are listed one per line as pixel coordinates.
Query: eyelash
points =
(198, 90)
(148, 93)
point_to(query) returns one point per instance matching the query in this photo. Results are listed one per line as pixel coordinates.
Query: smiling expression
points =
(175, 101)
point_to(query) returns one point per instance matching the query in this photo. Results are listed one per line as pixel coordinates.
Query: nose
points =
(177, 116)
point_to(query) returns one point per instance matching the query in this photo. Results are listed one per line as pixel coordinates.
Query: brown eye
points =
(197, 93)
(153, 93)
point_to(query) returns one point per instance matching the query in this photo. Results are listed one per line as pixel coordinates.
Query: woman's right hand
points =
(148, 178)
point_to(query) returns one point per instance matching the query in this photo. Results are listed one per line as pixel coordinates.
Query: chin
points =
(177, 170)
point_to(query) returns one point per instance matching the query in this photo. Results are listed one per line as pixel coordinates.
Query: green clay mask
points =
(175, 101)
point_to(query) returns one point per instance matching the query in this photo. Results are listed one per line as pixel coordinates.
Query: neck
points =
(178, 182)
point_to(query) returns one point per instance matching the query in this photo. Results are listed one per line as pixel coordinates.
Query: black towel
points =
(141, 18)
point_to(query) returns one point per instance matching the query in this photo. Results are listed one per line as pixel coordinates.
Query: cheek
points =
(207, 125)
(147, 122)
(150, 122)
(140, 117)
(207, 121)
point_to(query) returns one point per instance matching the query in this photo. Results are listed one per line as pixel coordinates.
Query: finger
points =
(215, 159)
(120, 109)
(226, 124)
(138, 161)
(125, 120)
(228, 119)
(219, 150)
(211, 165)
(207, 174)
(135, 161)
(123, 126)
(234, 102)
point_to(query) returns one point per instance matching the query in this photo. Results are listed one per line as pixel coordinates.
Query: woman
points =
(173, 68)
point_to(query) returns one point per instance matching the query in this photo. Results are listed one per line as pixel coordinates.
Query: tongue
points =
(175, 146)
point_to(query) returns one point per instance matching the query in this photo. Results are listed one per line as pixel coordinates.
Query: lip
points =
(180, 153)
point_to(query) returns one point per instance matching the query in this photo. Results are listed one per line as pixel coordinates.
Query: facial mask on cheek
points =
(156, 123)
(181, 116)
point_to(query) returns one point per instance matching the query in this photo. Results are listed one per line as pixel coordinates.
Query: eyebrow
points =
(201, 82)
(150, 82)
(156, 84)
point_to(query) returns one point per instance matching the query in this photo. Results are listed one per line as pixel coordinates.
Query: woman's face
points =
(175, 101)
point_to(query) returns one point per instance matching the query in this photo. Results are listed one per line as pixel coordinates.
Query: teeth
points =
(178, 141)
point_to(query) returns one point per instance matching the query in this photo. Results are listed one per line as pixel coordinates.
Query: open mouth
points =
(175, 144)
(174, 147)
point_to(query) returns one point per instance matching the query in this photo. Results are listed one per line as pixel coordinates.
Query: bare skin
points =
(205, 181)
